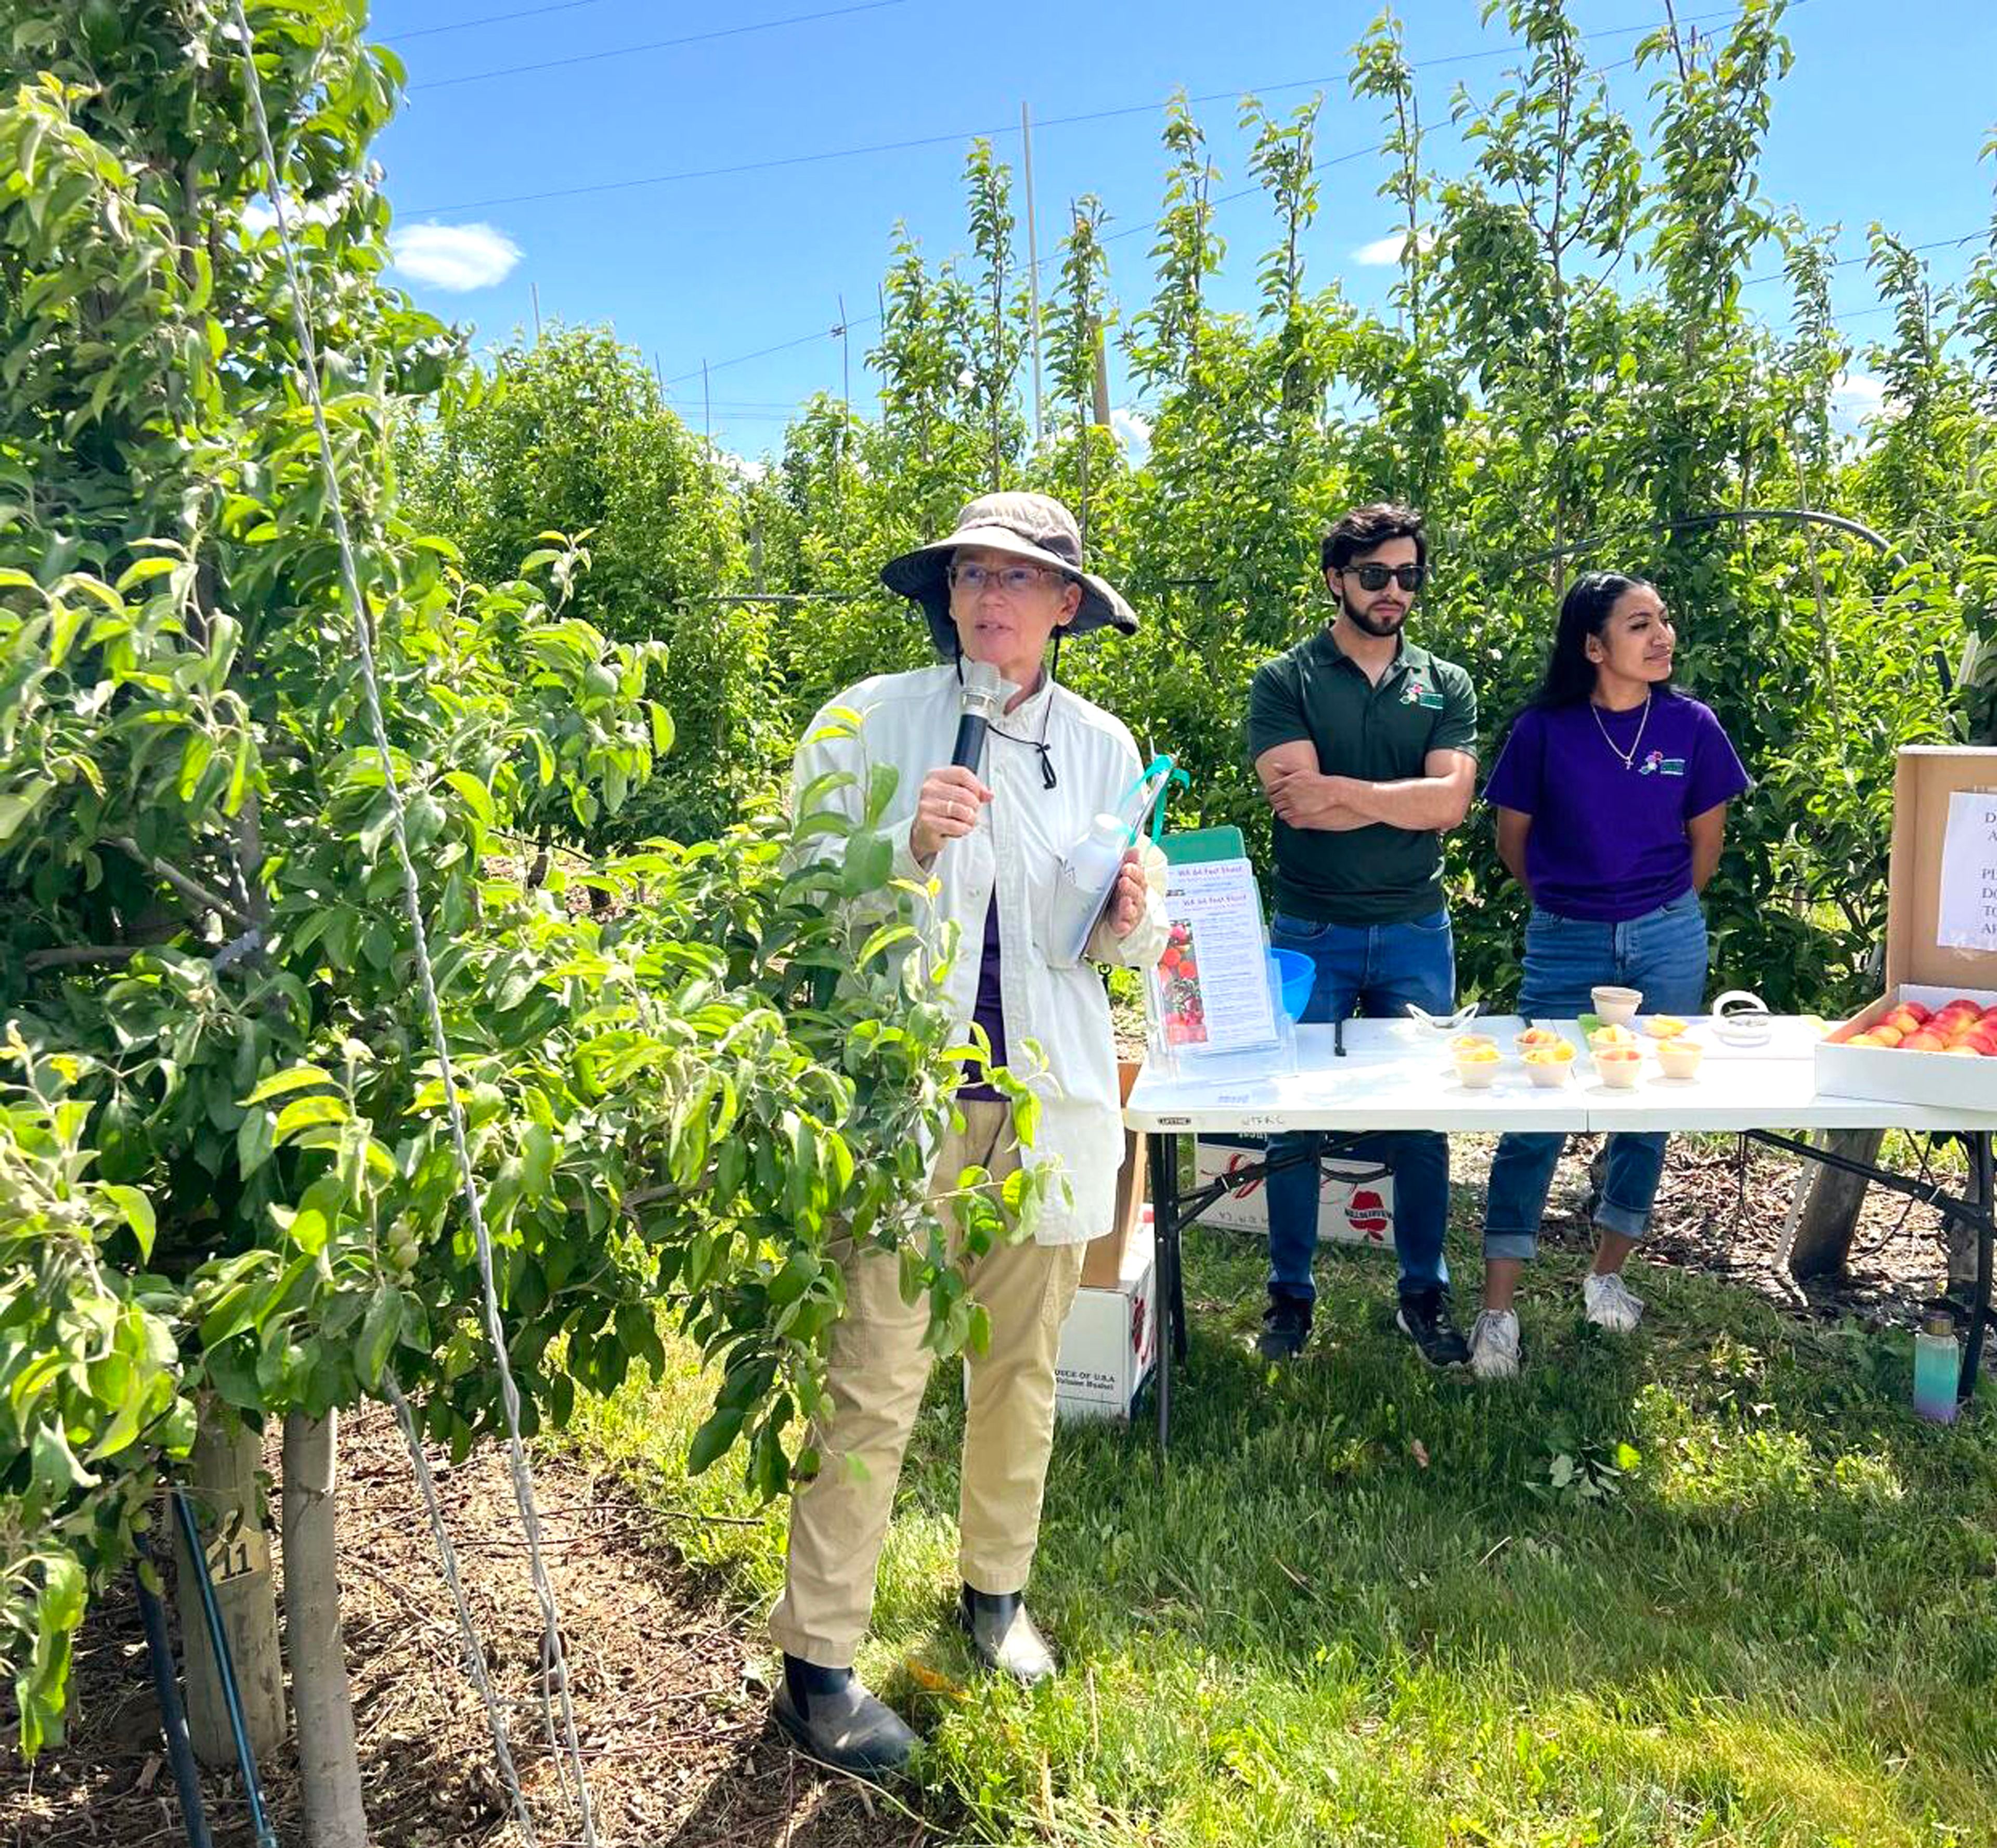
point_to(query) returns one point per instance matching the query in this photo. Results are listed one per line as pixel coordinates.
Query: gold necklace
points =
(1628, 758)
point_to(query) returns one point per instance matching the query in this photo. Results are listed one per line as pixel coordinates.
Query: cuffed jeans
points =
(1662, 953)
(1374, 970)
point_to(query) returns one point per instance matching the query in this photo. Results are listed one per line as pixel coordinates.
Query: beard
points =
(1368, 624)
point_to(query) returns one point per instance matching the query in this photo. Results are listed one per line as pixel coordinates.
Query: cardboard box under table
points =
(1941, 932)
(1355, 1201)
(1109, 1342)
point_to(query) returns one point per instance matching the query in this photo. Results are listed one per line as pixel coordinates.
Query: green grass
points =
(1713, 1584)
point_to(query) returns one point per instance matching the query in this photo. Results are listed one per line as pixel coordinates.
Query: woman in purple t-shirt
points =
(1610, 795)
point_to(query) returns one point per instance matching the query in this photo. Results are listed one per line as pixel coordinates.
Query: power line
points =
(1053, 256)
(845, 153)
(1938, 243)
(960, 135)
(525, 12)
(696, 38)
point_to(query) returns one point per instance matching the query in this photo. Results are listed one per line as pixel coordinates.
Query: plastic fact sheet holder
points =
(1213, 1016)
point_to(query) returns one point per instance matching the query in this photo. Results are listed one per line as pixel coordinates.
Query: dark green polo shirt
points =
(1382, 734)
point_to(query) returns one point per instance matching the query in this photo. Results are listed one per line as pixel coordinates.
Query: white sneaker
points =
(1494, 1345)
(1610, 1303)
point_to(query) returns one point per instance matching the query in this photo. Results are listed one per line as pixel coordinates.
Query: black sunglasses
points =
(1374, 577)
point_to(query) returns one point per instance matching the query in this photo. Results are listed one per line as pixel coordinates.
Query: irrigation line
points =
(523, 1487)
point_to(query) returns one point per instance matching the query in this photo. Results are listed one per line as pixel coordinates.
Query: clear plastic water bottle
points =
(1937, 1366)
(1082, 887)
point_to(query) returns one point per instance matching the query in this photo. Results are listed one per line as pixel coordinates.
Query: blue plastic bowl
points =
(1291, 974)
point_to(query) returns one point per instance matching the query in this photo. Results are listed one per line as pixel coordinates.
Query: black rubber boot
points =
(1005, 1637)
(832, 1718)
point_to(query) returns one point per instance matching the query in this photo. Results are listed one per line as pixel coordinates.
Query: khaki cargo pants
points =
(878, 1370)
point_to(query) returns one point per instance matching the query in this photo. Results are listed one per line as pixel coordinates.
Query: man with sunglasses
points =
(1365, 745)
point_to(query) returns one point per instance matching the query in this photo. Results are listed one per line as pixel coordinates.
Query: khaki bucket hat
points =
(1036, 527)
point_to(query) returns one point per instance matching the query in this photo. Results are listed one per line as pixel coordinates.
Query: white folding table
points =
(1359, 1076)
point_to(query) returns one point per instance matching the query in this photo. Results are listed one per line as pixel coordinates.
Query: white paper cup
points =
(1616, 1007)
(1620, 1074)
(1477, 1074)
(1680, 1057)
(1549, 1074)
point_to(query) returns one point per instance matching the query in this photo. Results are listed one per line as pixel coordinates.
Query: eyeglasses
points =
(1015, 580)
(1374, 577)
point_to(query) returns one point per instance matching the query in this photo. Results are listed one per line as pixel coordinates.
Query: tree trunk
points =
(329, 1771)
(229, 1507)
(1827, 1215)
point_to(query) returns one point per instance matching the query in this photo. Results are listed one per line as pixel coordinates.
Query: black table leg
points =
(1986, 1229)
(1164, 1151)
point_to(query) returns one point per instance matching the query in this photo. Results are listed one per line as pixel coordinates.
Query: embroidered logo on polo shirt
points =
(1656, 764)
(1418, 693)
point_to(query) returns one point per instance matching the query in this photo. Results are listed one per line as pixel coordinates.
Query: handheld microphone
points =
(983, 689)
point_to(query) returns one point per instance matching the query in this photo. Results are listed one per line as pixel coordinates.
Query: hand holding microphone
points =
(947, 805)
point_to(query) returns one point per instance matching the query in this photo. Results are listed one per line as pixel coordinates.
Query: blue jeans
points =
(1664, 954)
(1373, 969)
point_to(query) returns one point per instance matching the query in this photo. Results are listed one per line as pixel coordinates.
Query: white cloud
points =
(1133, 431)
(1858, 395)
(455, 257)
(1388, 249)
(740, 467)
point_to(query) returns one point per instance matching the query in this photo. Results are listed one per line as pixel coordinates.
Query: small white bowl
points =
(1616, 1007)
(1549, 1074)
(1680, 1059)
(1477, 1074)
(1620, 1074)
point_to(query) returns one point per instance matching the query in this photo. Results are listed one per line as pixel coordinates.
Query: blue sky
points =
(721, 266)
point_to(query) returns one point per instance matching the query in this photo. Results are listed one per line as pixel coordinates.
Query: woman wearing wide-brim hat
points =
(1003, 586)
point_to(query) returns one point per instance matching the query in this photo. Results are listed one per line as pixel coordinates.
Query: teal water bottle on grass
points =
(1937, 1364)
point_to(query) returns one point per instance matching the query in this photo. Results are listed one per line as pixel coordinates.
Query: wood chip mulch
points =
(670, 1710)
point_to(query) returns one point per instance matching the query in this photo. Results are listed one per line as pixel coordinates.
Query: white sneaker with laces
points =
(1611, 1304)
(1494, 1345)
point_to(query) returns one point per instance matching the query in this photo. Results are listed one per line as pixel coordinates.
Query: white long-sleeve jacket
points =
(909, 720)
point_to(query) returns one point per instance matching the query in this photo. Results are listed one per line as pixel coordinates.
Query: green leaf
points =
(477, 798)
(295, 1079)
(54, 1464)
(17, 807)
(714, 1439)
(379, 1329)
(137, 1211)
(255, 1138)
(869, 861)
(302, 1113)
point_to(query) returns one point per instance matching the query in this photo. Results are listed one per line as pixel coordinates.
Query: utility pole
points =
(1033, 267)
(845, 416)
(534, 297)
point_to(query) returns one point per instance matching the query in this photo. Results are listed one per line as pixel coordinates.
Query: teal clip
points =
(1161, 770)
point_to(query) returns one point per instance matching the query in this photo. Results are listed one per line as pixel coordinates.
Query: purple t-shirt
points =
(988, 1011)
(1608, 842)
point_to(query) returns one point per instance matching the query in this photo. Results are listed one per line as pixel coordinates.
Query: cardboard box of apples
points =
(1931, 1038)
(1961, 1025)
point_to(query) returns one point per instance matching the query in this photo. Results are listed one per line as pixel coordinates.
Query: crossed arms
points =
(1438, 799)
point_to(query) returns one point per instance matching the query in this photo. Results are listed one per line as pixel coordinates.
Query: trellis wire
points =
(555, 1663)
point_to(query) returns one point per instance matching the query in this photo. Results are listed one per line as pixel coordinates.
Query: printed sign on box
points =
(1349, 1212)
(1110, 1340)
